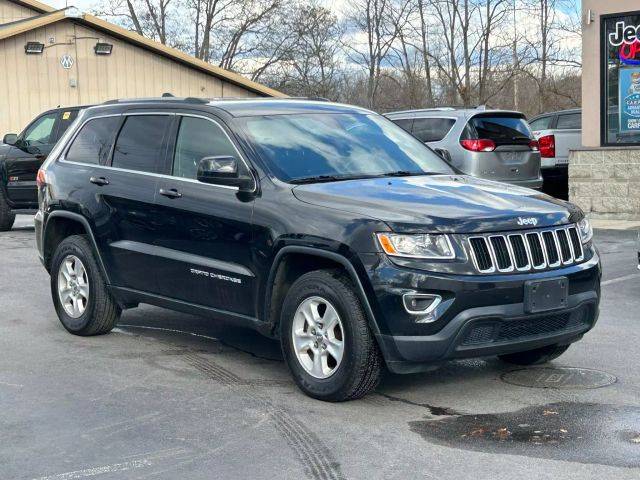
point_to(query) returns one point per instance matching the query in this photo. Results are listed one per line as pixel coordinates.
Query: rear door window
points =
(66, 119)
(569, 121)
(502, 129)
(543, 123)
(141, 143)
(93, 143)
(432, 129)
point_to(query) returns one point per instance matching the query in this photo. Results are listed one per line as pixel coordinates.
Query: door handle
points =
(170, 193)
(99, 181)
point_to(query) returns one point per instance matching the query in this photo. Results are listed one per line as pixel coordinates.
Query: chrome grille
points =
(526, 251)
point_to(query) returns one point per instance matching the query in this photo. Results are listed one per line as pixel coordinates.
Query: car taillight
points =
(534, 145)
(479, 145)
(547, 146)
(41, 178)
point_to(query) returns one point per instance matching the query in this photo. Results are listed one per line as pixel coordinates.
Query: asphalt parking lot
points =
(168, 396)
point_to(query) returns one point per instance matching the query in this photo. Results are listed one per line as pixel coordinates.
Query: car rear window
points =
(502, 129)
(93, 142)
(140, 144)
(432, 129)
(569, 121)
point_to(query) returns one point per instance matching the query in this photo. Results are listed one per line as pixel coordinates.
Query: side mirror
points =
(10, 139)
(223, 170)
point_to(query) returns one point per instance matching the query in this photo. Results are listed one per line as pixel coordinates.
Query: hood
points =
(442, 203)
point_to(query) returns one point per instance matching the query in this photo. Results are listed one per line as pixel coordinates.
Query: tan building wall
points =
(10, 12)
(31, 84)
(591, 93)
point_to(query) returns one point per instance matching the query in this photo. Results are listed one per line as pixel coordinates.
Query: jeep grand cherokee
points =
(324, 225)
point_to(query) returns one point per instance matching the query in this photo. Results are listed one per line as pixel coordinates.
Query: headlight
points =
(433, 246)
(586, 232)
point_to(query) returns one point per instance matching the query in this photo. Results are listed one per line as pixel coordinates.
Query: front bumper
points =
(479, 315)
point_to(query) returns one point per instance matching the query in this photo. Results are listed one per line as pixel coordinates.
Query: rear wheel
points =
(7, 218)
(326, 339)
(80, 296)
(535, 357)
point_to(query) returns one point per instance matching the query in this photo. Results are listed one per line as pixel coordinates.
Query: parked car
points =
(491, 144)
(557, 133)
(20, 158)
(323, 225)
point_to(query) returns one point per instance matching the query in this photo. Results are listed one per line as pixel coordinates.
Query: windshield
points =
(317, 147)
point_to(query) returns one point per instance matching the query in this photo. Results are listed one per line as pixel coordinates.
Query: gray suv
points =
(491, 144)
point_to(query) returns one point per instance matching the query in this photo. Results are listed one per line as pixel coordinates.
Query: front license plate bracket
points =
(545, 295)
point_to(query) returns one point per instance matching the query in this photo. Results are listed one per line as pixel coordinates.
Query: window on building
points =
(569, 121)
(140, 144)
(40, 132)
(199, 138)
(93, 142)
(620, 116)
(432, 129)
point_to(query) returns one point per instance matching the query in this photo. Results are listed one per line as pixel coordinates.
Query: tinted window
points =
(569, 121)
(503, 130)
(432, 129)
(404, 123)
(140, 144)
(345, 145)
(93, 142)
(543, 123)
(199, 138)
(40, 132)
(66, 118)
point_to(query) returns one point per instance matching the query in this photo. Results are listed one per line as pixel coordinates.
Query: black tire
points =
(535, 357)
(101, 312)
(7, 217)
(360, 370)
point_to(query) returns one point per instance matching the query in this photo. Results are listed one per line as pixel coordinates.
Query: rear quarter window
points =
(432, 129)
(93, 142)
(404, 123)
(543, 123)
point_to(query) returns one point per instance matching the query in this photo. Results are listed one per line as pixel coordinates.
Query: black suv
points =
(20, 158)
(324, 225)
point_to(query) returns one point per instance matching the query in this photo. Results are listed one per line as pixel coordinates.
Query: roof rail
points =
(165, 98)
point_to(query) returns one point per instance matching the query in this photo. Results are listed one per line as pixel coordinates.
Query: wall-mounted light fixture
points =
(33, 48)
(103, 48)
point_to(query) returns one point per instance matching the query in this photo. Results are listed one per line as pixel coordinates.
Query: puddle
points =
(559, 377)
(575, 432)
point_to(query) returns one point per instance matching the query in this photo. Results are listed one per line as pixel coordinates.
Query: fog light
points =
(420, 303)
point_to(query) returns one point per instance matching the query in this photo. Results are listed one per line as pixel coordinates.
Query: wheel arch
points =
(62, 224)
(279, 282)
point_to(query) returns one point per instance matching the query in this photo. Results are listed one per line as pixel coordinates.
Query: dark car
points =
(326, 226)
(20, 158)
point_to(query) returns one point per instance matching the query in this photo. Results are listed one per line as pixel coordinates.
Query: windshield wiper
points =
(324, 178)
(405, 173)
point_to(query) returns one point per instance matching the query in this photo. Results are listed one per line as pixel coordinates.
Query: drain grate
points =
(558, 377)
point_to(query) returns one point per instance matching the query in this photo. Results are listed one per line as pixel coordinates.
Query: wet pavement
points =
(168, 395)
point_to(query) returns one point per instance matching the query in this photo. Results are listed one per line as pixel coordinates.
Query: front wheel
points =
(326, 340)
(80, 295)
(535, 357)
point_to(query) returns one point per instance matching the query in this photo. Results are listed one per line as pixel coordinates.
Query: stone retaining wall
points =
(605, 182)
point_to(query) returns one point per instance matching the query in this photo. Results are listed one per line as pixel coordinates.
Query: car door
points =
(205, 256)
(568, 135)
(25, 158)
(130, 222)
